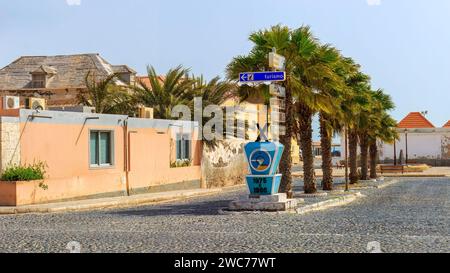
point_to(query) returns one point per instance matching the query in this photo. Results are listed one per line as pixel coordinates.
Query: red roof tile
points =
(415, 120)
(146, 81)
(447, 125)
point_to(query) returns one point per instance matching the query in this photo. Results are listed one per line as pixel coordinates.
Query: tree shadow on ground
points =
(192, 208)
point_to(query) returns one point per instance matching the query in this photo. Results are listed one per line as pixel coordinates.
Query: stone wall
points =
(9, 142)
(445, 147)
(224, 164)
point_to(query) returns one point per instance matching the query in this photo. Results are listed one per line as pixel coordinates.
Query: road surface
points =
(410, 216)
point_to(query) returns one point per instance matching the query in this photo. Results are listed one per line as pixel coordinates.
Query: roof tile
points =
(415, 120)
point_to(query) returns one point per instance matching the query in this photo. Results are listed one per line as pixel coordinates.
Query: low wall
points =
(76, 188)
(430, 162)
(56, 190)
(224, 164)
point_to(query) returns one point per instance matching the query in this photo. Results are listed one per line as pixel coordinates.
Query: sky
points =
(404, 45)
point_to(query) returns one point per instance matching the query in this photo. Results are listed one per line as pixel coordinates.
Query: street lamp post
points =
(346, 159)
(406, 140)
(395, 153)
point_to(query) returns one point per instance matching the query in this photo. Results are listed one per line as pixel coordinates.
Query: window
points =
(100, 148)
(183, 146)
(38, 80)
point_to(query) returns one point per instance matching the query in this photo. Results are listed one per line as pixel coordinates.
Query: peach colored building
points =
(95, 155)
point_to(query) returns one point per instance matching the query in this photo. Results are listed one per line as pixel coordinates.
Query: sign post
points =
(263, 157)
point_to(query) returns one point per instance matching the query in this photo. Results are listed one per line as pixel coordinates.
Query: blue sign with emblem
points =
(263, 160)
(263, 157)
(275, 76)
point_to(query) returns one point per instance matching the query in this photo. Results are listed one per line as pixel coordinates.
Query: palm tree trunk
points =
(286, 140)
(305, 126)
(373, 159)
(325, 144)
(353, 156)
(364, 147)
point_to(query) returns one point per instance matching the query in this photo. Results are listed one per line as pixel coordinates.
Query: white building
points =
(419, 141)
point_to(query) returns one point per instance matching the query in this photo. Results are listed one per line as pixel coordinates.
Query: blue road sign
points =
(262, 76)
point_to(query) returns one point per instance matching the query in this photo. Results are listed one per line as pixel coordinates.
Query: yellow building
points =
(256, 114)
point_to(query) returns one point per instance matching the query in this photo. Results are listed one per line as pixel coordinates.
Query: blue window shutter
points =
(187, 149)
(105, 148)
(93, 147)
(179, 148)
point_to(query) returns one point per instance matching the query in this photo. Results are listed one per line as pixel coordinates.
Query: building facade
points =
(419, 142)
(95, 155)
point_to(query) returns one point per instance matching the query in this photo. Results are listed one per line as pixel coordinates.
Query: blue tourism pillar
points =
(263, 159)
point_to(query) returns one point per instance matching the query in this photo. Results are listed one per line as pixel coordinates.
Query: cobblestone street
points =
(410, 216)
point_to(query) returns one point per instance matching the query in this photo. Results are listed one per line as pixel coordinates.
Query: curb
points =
(386, 184)
(335, 202)
(107, 204)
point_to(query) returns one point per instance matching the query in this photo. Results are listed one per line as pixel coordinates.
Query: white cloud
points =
(373, 2)
(73, 2)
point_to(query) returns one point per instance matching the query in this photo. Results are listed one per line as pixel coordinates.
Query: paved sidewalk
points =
(114, 202)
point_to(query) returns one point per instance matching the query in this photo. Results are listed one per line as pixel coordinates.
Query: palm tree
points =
(333, 121)
(317, 88)
(366, 118)
(380, 126)
(164, 93)
(370, 120)
(354, 102)
(384, 131)
(106, 96)
(214, 92)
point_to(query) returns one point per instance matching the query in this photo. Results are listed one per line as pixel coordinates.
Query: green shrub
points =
(179, 163)
(35, 171)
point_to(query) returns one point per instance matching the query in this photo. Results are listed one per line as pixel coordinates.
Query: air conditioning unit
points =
(36, 103)
(11, 102)
(146, 112)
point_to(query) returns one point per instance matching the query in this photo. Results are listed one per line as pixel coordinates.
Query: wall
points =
(9, 146)
(419, 146)
(224, 164)
(141, 159)
(430, 146)
(149, 166)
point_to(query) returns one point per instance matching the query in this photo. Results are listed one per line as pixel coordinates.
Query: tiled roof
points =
(447, 125)
(69, 71)
(415, 120)
(44, 69)
(146, 81)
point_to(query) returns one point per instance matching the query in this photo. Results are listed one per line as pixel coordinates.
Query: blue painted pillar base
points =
(263, 184)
